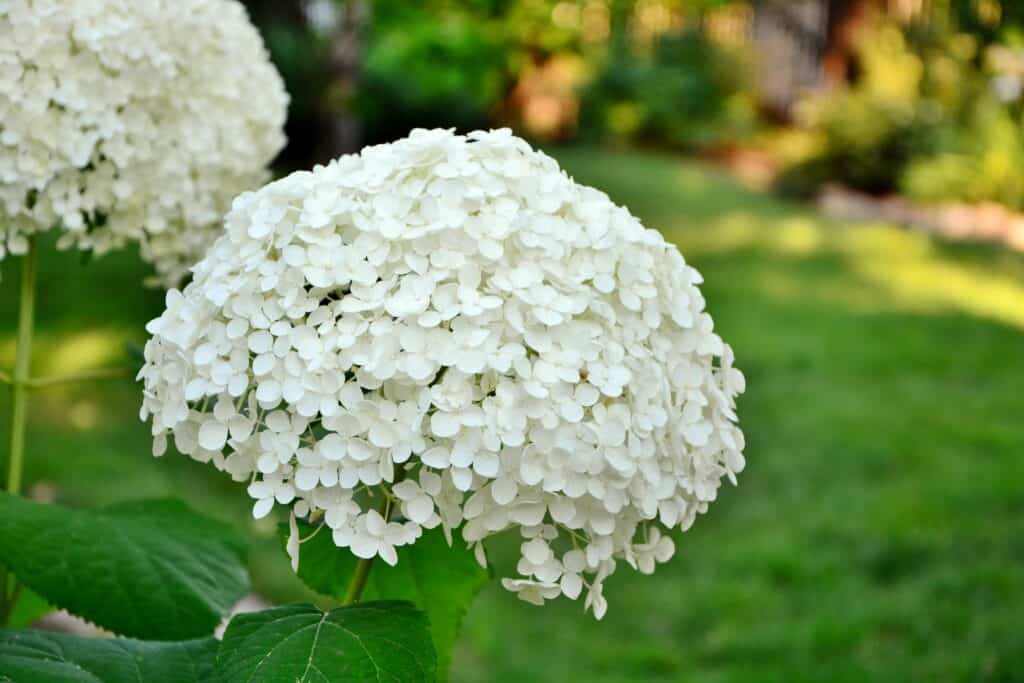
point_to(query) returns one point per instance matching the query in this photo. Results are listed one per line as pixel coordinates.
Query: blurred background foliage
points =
(686, 92)
(919, 97)
(930, 106)
(620, 71)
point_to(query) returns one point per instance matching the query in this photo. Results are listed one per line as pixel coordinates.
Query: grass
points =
(877, 533)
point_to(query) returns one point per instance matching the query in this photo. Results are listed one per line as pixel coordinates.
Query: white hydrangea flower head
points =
(132, 120)
(453, 321)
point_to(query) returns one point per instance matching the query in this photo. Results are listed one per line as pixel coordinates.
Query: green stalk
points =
(363, 566)
(362, 573)
(358, 583)
(19, 403)
(21, 380)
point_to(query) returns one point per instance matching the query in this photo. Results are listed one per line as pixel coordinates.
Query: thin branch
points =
(313, 535)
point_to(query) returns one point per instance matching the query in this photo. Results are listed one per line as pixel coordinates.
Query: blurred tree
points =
(344, 61)
(807, 44)
(317, 46)
(300, 57)
(988, 20)
(790, 38)
(847, 19)
(686, 93)
(363, 72)
(434, 63)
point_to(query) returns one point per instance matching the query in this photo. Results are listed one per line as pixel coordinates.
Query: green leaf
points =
(440, 580)
(154, 570)
(29, 609)
(373, 641)
(41, 657)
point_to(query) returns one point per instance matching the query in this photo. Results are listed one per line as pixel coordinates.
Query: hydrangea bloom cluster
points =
(453, 323)
(132, 120)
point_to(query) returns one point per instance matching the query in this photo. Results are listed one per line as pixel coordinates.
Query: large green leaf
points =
(41, 657)
(441, 580)
(154, 570)
(373, 641)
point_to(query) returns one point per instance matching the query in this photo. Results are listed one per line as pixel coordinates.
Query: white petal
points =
(364, 546)
(462, 478)
(571, 585)
(437, 457)
(536, 551)
(504, 490)
(262, 507)
(306, 478)
(291, 548)
(213, 435)
(445, 424)
(388, 554)
(375, 523)
(486, 464)
(420, 509)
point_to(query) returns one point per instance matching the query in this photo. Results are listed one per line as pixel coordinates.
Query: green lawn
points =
(877, 533)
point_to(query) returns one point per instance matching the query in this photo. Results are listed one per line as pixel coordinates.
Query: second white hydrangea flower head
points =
(132, 120)
(454, 314)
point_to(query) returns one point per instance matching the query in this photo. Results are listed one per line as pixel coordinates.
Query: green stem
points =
(19, 403)
(358, 583)
(363, 566)
(20, 379)
(362, 573)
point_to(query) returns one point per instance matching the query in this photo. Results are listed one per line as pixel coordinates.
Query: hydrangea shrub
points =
(132, 121)
(453, 321)
(138, 121)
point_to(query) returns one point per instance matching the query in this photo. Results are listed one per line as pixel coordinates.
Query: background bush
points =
(933, 112)
(429, 68)
(688, 93)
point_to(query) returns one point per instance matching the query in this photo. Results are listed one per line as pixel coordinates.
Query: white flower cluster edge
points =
(448, 331)
(132, 121)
